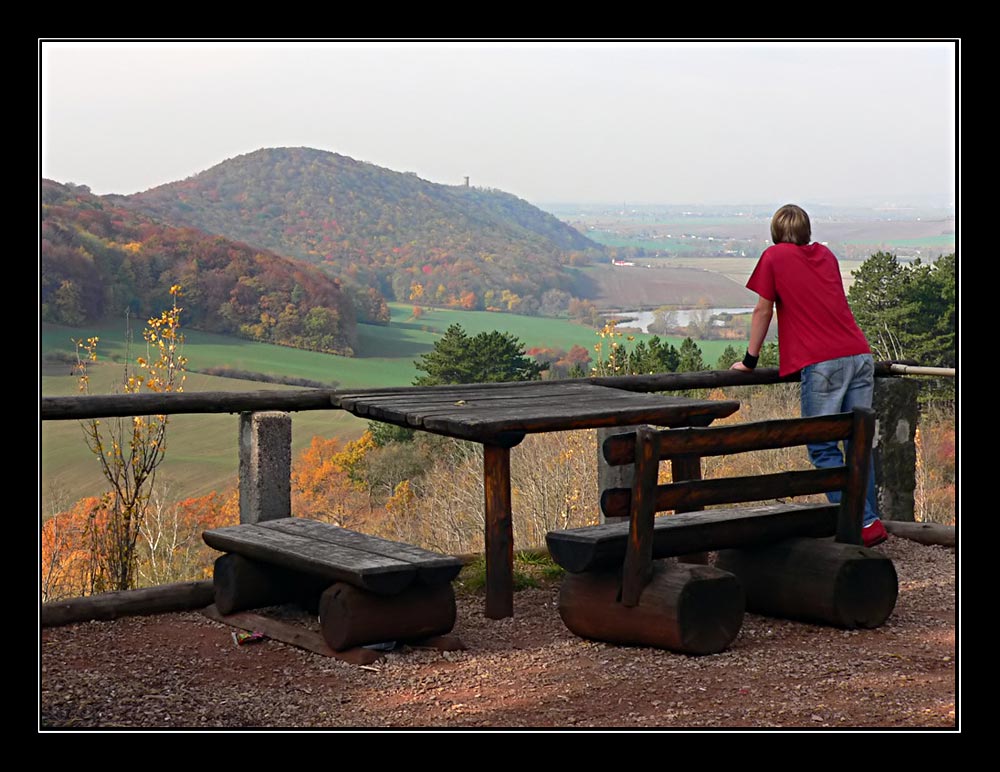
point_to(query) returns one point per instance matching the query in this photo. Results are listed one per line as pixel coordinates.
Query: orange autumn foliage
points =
(172, 548)
(326, 483)
(66, 564)
(169, 546)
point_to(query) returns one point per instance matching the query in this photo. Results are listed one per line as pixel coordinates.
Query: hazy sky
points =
(639, 122)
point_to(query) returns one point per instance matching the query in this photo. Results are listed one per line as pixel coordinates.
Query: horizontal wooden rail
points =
(941, 372)
(161, 599)
(688, 495)
(739, 438)
(83, 407)
(171, 403)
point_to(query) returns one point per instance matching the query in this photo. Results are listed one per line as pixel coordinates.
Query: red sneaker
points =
(874, 533)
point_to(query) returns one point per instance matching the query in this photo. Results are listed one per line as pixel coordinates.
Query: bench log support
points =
(816, 580)
(690, 609)
(782, 551)
(351, 617)
(241, 584)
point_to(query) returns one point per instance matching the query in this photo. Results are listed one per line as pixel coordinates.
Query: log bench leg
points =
(241, 583)
(691, 609)
(351, 617)
(816, 580)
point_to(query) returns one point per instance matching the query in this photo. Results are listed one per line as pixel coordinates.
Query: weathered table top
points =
(498, 415)
(503, 413)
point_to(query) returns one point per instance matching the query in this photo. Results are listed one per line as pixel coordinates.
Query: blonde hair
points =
(790, 224)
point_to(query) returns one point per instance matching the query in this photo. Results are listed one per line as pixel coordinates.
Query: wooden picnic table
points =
(499, 416)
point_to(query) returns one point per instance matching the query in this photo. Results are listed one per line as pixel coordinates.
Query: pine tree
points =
(489, 357)
(690, 357)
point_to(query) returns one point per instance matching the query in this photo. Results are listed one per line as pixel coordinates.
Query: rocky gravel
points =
(183, 671)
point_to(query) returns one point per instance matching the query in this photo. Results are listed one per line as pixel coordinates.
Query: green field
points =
(945, 242)
(655, 245)
(202, 449)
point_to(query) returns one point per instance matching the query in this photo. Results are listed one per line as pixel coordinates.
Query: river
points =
(681, 317)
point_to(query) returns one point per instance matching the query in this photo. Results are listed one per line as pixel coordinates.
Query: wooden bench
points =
(369, 589)
(773, 558)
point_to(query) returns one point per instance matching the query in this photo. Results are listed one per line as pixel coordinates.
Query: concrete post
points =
(895, 448)
(265, 466)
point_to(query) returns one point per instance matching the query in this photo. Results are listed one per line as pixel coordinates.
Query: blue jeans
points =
(838, 386)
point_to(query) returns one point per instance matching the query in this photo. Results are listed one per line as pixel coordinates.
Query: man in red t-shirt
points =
(817, 335)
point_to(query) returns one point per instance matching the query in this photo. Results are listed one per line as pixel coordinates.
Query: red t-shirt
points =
(814, 321)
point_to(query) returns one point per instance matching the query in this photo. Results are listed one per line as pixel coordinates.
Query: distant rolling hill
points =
(410, 239)
(100, 259)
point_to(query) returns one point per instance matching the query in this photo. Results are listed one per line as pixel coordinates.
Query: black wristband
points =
(749, 360)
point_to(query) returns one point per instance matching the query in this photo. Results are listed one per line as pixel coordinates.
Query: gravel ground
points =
(183, 672)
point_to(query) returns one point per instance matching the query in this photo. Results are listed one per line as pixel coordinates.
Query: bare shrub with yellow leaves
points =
(129, 450)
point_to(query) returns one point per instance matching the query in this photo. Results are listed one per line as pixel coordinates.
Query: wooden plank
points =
(432, 567)
(294, 635)
(687, 496)
(352, 394)
(455, 398)
(362, 569)
(476, 405)
(500, 417)
(725, 440)
(472, 392)
(603, 546)
(569, 416)
(638, 568)
(416, 413)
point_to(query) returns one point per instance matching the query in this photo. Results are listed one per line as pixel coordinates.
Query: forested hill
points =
(99, 259)
(409, 238)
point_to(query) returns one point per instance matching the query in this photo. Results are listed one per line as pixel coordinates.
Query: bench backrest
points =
(688, 492)
(685, 447)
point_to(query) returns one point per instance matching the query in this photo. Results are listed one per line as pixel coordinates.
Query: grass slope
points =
(202, 449)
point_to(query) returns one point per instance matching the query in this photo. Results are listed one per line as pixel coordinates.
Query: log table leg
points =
(499, 533)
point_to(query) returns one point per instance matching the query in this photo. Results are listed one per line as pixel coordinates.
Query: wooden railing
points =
(172, 403)
(264, 416)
